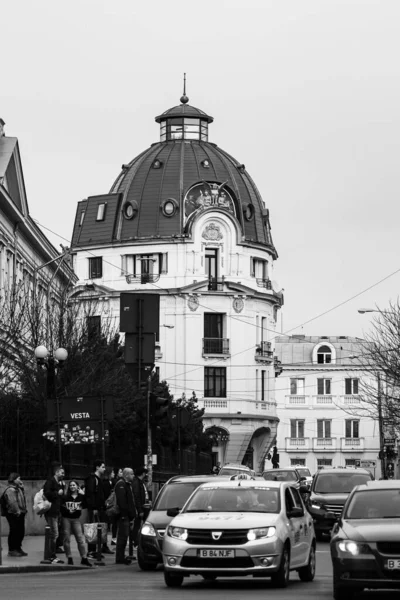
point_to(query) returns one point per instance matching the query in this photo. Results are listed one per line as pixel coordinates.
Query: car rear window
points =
(227, 471)
(174, 495)
(374, 504)
(303, 472)
(339, 483)
(280, 476)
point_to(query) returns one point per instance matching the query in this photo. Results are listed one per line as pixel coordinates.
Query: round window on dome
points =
(130, 210)
(169, 207)
(248, 212)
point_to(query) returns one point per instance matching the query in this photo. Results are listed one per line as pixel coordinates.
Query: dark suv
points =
(329, 491)
(172, 495)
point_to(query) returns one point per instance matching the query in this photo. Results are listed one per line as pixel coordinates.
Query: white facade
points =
(319, 397)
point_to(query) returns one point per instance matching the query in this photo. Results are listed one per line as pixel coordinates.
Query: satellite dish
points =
(276, 286)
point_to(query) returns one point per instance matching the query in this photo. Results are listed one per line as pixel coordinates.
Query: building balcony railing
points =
(215, 284)
(264, 282)
(264, 353)
(142, 278)
(216, 346)
(299, 444)
(350, 399)
(323, 399)
(324, 444)
(352, 444)
(297, 399)
(237, 408)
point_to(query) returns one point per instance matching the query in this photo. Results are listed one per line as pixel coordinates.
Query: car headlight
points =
(353, 548)
(148, 529)
(261, 532)
(178, 532)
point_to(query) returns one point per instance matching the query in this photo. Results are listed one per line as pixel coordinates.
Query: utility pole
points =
(149, 438)
(381, 432)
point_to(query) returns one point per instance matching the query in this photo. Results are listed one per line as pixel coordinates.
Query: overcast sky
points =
(305, 93)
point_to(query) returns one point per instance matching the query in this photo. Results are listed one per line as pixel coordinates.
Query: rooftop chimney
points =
(2, 132)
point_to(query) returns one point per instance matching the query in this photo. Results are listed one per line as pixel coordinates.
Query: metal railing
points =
(264, 283)
(215, 284)
(215, 346)
(143, 278)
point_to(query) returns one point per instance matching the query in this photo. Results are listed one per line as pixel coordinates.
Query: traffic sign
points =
(389, 441)
(368, 464)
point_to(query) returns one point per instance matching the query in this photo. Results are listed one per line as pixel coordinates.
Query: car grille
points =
(389, 547)
(392, 574)
(229, 537)
(335, 508)
(241, 562)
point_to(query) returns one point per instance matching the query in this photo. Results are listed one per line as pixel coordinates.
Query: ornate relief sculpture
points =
(212, 232)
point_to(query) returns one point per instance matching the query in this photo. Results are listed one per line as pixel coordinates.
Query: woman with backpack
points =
(72, 503)
(14, 503)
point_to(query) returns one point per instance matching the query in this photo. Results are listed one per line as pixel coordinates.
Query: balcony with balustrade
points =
(301, 444)
(297, 400)
(264, 282)
(264, 353)
(321, 399)
(352, 444)
(238, 408)
(143, 278)
(324, 444)
(350, 399)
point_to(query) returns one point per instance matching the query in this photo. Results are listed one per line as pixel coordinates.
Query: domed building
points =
(184, 220)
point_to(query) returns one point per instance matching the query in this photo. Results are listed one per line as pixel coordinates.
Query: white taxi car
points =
(240, 527)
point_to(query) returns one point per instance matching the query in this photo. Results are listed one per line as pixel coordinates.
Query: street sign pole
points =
(149, 439)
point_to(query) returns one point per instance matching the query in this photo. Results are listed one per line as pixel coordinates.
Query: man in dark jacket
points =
(141, 498)
(95, 501)
(126, 505)
(53, 490)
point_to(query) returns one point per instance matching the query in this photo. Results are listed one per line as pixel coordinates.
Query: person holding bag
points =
(128, 513)
(95, 500)
(71, 509)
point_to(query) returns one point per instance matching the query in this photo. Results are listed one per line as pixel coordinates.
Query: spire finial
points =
(184, 98)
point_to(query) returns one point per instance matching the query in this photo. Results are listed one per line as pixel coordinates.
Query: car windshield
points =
(276, 475)
(229, 471)
(303, 472)
(339, 483)
(257, 499)
(174, 495)
(374, 504)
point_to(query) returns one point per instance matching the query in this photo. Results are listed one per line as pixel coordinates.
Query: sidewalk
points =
(34, 546)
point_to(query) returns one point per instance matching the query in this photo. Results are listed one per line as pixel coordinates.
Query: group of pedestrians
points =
(67, 501)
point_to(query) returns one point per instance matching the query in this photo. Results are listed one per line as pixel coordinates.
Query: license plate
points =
(393, 564)
(216, 553)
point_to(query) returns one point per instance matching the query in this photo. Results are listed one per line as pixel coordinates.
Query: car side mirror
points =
(295, 512)
(172, 512)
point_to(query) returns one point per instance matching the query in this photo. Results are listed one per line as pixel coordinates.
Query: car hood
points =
(329, 498)
(228, 520)
(159, 518)
(372, 530)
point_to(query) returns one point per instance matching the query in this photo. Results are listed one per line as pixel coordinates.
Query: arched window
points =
(324, 355)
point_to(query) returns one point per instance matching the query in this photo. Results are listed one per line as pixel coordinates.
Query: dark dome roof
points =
(170, 170)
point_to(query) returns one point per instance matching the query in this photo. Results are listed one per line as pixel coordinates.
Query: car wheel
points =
(307, 573)
(209, 577)
(281, 577)
(144, 564)
(173, 580)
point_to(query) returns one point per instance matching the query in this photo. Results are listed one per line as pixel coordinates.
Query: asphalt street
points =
(128, 582)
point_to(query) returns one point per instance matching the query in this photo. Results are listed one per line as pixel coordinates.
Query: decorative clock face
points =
(238, 305)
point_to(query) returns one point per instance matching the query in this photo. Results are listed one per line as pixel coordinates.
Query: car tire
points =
(172, 580)
(144, 565)
(281, 577)
(307, 573)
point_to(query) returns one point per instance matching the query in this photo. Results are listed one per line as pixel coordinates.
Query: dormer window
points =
(324, 355)
(101, 211)
(184, 129)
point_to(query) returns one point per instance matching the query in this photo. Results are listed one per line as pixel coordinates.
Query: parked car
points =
(173, 494)
(240, 527)
(329, 491)
(291, 474)
(365, 543)
(235, 469)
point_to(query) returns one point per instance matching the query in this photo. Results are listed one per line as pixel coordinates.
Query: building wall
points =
(310, 406)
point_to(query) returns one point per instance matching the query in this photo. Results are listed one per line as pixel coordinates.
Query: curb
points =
(42, 568)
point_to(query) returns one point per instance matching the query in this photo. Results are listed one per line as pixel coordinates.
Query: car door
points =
(294, 524)
(305, 527)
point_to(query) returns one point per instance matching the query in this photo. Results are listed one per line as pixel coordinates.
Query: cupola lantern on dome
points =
(184, 122)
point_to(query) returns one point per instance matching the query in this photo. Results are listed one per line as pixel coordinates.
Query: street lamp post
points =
(51, 362)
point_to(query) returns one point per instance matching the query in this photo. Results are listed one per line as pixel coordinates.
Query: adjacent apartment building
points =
(318, 394)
